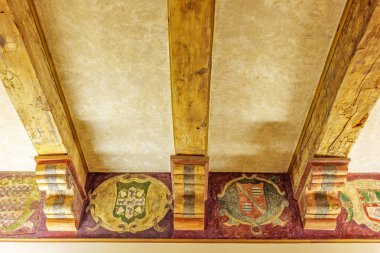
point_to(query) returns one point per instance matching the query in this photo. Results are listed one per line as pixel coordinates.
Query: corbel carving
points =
(190, 182)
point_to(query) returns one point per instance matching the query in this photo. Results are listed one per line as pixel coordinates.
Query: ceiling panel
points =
(267, 60)
(16, 150)
(112, 60)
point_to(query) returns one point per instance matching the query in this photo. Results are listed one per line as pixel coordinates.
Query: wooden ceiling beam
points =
(348, 89)
(190, 42)
(29, 76)
(23, 87)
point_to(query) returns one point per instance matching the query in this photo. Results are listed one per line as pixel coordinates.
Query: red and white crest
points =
(252, 201)
(370, 201)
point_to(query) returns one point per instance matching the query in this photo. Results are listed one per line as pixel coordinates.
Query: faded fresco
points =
(130, 203)
(252, 201)
(19, 203)
(361, 199)
(251, 206)
(239, 206)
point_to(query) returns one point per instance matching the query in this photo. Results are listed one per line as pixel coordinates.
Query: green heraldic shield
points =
(130, 203)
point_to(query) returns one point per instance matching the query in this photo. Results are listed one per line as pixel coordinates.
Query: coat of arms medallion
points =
(252, 201)
(361, 199)
(19, 196)
(130, 203)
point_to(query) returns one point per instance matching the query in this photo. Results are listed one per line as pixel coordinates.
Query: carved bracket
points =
(65, 197)
(319, 201)
(190, 182)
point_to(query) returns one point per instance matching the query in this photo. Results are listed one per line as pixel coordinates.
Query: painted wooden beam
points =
(348, 89)
(20, 80)
(190, 39)
(190, 42)
(28, 74)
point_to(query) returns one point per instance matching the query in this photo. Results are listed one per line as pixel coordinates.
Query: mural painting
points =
(252, 201)
(239, 206)
(361, 200)
(19, 202)
(130, 203)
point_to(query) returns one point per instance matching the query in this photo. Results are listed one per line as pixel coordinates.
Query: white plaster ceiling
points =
(267, 60)
(113, 62)
(16, 150)
(365, 153)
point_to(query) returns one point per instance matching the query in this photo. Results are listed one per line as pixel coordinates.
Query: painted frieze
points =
(130, 203)
(361, 199)
(139, 206)
(252, 201)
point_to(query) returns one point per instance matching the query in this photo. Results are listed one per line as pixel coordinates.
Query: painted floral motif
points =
(252, 201)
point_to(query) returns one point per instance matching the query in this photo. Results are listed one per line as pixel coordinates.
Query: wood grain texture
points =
(22, 86)
(347, 91)
(190, 40)
(38, 79)
(359, 91)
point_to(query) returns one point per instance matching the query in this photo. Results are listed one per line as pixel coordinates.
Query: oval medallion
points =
(252, 201)
(130, 203)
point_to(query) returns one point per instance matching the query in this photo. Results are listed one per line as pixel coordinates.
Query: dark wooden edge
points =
(189, 159)
(330, 160)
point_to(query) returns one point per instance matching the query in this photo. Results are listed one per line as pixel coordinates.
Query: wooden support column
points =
(319, 201)
(28, 74)
(348, 89)
(190, 42)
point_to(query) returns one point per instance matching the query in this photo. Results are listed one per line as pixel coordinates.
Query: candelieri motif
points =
(252, 201)
(130, 203)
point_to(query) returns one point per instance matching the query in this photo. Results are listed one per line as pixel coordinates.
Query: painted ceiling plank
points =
(190, 39)
(348, 89)
(28, 73)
